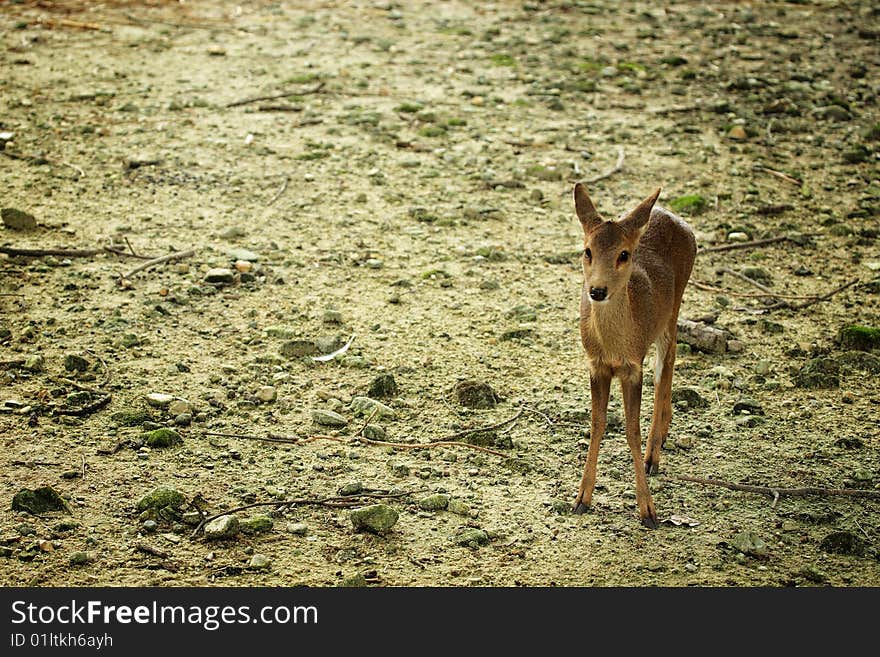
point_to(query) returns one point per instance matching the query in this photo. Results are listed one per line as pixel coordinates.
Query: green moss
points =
(409, 108)
(312, 155)
(503, 59)
(690, 203)
(432, 131)
(163, 438)
(860, 338)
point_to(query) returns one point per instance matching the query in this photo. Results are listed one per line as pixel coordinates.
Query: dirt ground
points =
(407, 181)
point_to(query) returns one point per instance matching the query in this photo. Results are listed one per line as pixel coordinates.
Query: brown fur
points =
(643, 299)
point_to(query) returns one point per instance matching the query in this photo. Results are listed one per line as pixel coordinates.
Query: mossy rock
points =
(861, 361)
(376, 518)
(818, 373)
(859, 338)
(39, 500)
(257, 524)
(132, 417)
(161, 497)
(163, 438)
(843, 543)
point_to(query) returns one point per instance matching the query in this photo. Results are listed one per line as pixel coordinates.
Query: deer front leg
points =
(631, 386)
(600, 388)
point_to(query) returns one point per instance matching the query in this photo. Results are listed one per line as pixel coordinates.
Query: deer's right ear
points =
(585, 209)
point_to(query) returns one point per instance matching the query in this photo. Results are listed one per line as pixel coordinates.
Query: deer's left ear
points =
(637, 220)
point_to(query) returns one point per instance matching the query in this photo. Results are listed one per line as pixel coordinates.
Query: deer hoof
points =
(651, 468)
(580, 508)
(650, 523)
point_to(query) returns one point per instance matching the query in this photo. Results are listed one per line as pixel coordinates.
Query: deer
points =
(635, 272)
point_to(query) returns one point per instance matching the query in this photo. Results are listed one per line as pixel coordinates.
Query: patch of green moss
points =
(860, 338)
(690, 203)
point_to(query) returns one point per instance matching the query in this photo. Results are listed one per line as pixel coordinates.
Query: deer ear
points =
(637, 220)
(585, 209)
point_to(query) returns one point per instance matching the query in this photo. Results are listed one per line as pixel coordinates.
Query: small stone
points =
(748, 405)
(328, 418)
(179, 406)
(161, 497)
(374, 432)
(297, 528)
(762, 367)
(327, 344)
(267, 394)
(818, 373)
(365, 406)
(38, 501)
(25, 529)
(689, 396)
(223, 527)
(436, 502)
(163, 438)
(376, 518)
(80, 559)
(476, 394)
(843, 543)
(150, 526)
(737, 133)
(244, 267)
(34, 363)
(471, 537)
(243, 254)
(684, 442)
(76, 363)
(18, 219)
(331, 316)
(351, 488)
(458, 507)
(522, 314)
(833, 113)
(382, 386)
(298, 348)
(374, 263)
(737, 236)
(750, 544)
(159, 399)
(256, 524)
(354, 581)
(260, 562)
(220, 276)
(735, 346)
(132, 417)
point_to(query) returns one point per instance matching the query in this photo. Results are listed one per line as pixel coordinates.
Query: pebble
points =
(365, 406)
(374, 432)
(256, 524)
(354, 581)
(458, 507)
(39, 500)
(351, 488)
(223, 527)
(179, 406)
(376, 518)
(163, 438)
(750, 543)
(18, 219)
(328, 418)
(74, 362)
(383, 385)
(297, 528)
(260, 562)
(183, 420)
(374, 263)
(34, 363)
(471, 537)
(159, 399)
(476, 394)
(150, 525)
(737, 237)
(220, 276)
(80, 559)
(331, 316)
(738, 133)
(748, 405)
(298, 348)
(243, 254)
(267, 394)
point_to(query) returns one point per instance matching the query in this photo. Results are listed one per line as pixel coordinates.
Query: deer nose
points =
(598, 293)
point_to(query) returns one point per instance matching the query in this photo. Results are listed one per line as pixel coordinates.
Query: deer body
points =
(635, 272)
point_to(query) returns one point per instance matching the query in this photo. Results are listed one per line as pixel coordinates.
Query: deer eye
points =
(588, 255)
(623, 257)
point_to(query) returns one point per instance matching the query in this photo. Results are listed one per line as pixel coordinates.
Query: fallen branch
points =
(776, 492)
(617, 167)
(286, 94)
(744, 245)
(824, 297)
(66, 253)
(88, 409)
(177, 255)
(781, 175)
(336, 502)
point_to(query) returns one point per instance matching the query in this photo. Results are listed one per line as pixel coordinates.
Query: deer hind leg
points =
(662, 414)
(600, 390)
(631, 386)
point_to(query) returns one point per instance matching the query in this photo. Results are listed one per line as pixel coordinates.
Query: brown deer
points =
(635, 272)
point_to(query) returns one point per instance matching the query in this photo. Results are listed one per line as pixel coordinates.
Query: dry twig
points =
(744, 245)
(177, 255)
(286, 94)
(617, 167)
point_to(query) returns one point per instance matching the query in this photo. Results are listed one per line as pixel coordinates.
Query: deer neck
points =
(607, 330)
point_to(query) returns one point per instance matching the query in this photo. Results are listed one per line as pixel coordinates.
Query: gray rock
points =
(843, 543)
(351, 488)
(327, 344)
(436, 502)
(179, 406)
(458, 507)
(331, 316)
(750, 543)
(220, 276)
(39, 500)
(297, 528)
(328, 418)
(150, 525)
(365, 406)
(376, 518)
(18, 219)
(818, 373)
(471, 537)
(223, 527)
(80, 559)
(383, 385)
(160, 498)
(747, 405)
(299, 348)
(76, 363)
(183, 420)
(833, 113)
(243, 254)
(690, 396)
(374, 432)
(159, 399)
(476, 394)
(282, 332)
(260, 562)
(267, 394)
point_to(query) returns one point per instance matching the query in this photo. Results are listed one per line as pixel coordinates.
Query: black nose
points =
(598, 293)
